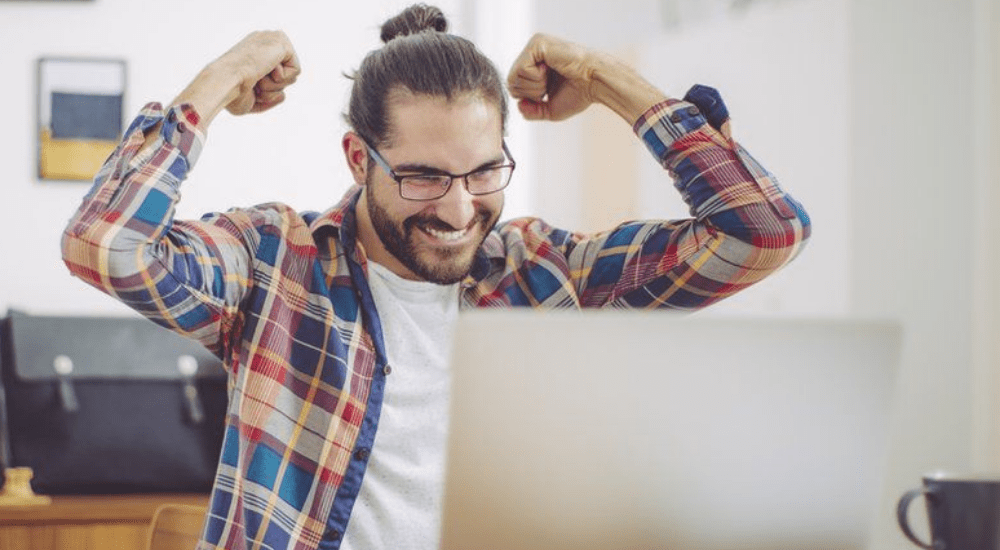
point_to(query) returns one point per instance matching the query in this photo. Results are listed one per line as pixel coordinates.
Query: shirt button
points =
(332, 534)
(387, 370)
(693, 111)
(180, 128)
(362, 454)
(172, 117)
(675, 118)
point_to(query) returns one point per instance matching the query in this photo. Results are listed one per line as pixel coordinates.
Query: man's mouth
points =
(443, 232)
(446, 236)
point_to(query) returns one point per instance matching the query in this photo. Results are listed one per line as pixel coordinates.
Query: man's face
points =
(433, 240)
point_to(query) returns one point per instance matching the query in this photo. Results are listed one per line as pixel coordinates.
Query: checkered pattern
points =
(283, 298)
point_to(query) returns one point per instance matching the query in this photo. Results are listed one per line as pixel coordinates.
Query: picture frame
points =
(81, 103)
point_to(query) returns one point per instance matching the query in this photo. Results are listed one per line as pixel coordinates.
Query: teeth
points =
(447, 235)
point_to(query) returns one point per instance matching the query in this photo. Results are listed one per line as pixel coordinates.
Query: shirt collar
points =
(340, 218)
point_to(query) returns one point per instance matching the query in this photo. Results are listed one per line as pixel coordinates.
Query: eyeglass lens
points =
(432, 186)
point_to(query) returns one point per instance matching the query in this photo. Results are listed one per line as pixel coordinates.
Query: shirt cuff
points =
(710, 103)
(666, 122)
(179, 128)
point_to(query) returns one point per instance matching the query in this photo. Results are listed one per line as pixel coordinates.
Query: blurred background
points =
(880, 116)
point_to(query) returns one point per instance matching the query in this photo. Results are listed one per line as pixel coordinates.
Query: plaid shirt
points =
(283, 298)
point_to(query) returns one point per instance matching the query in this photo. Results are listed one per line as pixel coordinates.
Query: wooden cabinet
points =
(106, 522)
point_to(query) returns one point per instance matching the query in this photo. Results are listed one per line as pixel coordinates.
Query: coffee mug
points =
(963, 511)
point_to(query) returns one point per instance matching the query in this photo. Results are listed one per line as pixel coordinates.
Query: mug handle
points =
(902, 507)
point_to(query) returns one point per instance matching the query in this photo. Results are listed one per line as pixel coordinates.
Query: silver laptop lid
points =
(648, 430)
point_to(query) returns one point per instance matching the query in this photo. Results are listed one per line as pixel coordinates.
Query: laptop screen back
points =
(649, 430)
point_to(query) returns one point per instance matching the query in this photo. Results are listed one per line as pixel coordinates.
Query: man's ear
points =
(356, 153)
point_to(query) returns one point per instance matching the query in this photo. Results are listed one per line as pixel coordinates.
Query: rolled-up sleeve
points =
(188, 276)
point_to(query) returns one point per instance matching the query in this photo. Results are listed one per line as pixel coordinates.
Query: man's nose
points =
(457, 206)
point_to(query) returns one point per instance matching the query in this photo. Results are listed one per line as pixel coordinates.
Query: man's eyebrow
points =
(417, 168)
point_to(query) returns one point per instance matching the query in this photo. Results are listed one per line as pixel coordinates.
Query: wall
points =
(986, 414)
(291, 154)
(914, 145)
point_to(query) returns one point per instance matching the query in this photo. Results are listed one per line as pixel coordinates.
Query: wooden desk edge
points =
(83, 509)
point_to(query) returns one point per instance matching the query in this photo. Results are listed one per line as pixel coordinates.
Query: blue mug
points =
(963, 512)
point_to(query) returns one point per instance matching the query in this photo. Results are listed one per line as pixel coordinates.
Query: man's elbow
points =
(761, 241)
(99, 262)
(781, 241)
(81, 257)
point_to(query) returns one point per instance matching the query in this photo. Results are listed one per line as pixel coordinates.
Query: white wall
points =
(290, 154)
(986, 414)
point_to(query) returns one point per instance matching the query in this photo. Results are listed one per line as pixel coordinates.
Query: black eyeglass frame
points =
(451, 177)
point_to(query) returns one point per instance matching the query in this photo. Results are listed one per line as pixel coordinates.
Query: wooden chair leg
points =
(176, 527)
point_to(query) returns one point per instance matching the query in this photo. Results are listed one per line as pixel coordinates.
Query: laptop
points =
(641, 430)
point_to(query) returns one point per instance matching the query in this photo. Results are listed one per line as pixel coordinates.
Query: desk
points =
(102, 522)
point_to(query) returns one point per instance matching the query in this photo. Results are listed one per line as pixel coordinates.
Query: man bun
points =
(420, 57)
(414, 19)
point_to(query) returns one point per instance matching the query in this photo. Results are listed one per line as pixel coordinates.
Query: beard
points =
(443, 265)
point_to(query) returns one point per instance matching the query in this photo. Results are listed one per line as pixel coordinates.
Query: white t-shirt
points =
(399, 505)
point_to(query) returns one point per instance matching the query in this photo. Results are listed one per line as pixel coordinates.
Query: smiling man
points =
(335, 326)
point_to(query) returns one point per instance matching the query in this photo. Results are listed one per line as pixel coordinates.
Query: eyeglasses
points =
(430, 186)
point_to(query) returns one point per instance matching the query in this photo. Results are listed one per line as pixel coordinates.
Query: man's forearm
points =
(207, 95)
(215, 87)
(622, 89)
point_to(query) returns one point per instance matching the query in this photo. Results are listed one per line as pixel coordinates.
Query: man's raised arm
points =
(744, 226)
(186, 275)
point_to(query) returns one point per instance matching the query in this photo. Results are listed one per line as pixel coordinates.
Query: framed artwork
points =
(80, 107)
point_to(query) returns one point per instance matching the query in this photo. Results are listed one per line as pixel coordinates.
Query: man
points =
(334, 326)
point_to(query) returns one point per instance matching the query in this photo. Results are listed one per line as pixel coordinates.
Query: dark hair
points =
(419, 56)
